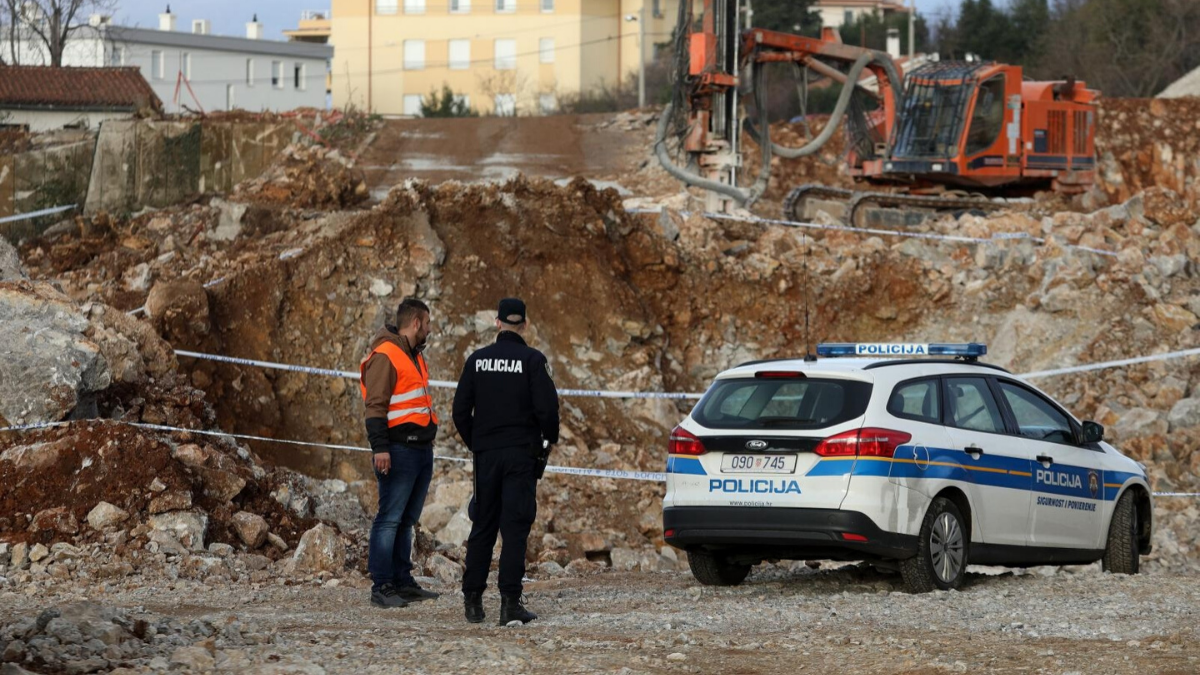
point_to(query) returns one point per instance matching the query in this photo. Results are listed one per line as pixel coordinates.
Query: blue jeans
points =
(401, 497)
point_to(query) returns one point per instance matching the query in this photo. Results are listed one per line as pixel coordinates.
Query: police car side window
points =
(918, 400)
(1036, 417)
(971, 405)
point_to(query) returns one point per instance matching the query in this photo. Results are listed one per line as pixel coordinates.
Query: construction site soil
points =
(302, 265)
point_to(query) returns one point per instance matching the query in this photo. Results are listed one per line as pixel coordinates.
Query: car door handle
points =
(1045, 459)
(976, 451)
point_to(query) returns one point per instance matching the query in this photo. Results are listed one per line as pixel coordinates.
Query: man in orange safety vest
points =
(401, 426)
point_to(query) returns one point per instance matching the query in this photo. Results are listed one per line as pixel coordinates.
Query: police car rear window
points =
(778, 403)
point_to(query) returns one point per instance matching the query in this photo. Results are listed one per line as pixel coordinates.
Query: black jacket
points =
(506, 397)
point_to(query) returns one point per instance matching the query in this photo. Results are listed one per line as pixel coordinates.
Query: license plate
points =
(758, 464)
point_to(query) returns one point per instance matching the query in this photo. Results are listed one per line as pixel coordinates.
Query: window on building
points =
(387, 6)
(185, 64)
(460, 6)
(657, 9)
(506, 105)
(249, 72)
(506, 6)
(230, 103)
(414, 54)
(414, 6)
(546, 50)
(460, 54)
(156, 65)
(412, 104)
(299, 72)
(547, 103)
(506, 54)
(116, 57)
(547, 5)
(277, 74)
(848, 18)
(463, 100)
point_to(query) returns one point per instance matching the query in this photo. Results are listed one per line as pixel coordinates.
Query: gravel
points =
(785, 618)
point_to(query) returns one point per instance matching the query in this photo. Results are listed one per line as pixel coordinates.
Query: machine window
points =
(988, 119)
(917, 401)
(972, 406)
(1036, 417)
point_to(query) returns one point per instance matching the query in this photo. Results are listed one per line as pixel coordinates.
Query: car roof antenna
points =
(809, 357)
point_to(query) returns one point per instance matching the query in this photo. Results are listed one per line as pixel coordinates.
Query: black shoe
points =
(473, 607)
(387, 596)
(415, 593)
(511, 610)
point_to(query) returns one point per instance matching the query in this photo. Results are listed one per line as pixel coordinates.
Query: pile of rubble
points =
(307, 177)
(1148, 143)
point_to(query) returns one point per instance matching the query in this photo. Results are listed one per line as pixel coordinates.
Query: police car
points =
(916, 457)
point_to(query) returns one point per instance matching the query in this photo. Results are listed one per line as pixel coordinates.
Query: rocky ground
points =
(783, 619)
(302, 264)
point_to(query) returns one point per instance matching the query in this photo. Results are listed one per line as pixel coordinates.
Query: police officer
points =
(401, 426)
(506, 410)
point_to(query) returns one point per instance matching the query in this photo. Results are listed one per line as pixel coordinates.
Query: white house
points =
(837, 13)
(199, 71)
(40, 98)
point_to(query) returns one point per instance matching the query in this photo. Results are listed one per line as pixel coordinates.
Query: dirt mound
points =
(1148, 143)
(306, 178)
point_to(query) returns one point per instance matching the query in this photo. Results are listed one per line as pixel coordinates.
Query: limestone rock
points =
(132, 348)
(49, 366)
(1185, 413)
(251, 529)
(10, 263)
(104, 516)
(457, 530)
(1139, 422)
(624, 559)
(59, 520)
(436, 516)
(320, 550)
(175, 500)
(179, 309)
(188, 527)
(445, 570)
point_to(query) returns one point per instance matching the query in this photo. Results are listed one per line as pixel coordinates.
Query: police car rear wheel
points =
(1121, 549)
(715, 570)
(941, 559)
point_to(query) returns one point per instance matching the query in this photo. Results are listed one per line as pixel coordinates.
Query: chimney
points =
(254, 29)
(893, 42)
(201, 26)
(166, 20)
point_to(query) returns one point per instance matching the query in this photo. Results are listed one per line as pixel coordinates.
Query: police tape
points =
(649, 476)
(37, 214)
(999, 236)
(441, 384)
(1113, 364)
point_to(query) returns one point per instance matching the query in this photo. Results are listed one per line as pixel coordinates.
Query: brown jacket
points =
(379, 381)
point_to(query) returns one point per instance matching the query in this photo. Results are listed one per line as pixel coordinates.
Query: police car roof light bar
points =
(969, 351)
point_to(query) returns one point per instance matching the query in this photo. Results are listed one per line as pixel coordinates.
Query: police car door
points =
(995, 463)
(1068, 484)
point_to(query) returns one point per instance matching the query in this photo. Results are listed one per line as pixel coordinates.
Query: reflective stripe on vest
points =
(411, 402)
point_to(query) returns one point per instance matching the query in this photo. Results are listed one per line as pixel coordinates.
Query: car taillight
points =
(865, 442)
(684, 442)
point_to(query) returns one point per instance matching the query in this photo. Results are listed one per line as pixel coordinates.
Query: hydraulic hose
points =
(687, 177)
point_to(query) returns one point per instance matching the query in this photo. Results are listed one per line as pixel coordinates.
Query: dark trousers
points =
(401, 498)
(505, 502)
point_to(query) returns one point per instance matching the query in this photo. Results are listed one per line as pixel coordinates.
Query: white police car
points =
(905, 461)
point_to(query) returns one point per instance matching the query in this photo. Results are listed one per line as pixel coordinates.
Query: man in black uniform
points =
(505, 407)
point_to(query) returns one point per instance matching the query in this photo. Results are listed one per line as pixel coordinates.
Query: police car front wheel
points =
(941, 559)
(1121, 549)
(715, 570)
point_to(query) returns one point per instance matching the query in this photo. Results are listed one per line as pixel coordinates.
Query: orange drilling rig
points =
(952, 135)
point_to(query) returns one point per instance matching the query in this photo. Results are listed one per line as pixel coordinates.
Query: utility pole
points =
(912, 19)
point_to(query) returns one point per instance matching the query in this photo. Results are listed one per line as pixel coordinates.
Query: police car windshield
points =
(781, 403)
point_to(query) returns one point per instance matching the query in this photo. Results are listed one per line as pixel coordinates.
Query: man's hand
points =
(383, 462)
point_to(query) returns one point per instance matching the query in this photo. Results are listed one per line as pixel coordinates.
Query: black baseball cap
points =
(511, 311)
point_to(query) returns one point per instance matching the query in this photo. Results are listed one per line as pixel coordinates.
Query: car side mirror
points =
(1092, 432)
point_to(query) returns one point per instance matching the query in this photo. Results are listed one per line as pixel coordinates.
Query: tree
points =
(787, 16)
(445, 105)
(52, 23)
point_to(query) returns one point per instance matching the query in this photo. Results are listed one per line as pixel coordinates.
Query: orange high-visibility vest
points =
(411, 401)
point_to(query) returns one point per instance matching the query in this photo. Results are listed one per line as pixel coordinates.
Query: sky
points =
(229, 17)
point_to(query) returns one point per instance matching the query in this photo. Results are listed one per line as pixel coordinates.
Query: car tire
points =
(941, 559)
(714, 570)
(1121, 550)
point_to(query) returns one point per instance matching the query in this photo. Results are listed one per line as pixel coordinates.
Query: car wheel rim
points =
(946, 547)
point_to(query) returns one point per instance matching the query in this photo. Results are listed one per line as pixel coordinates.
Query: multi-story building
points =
(837, 13)
(501, 56)
(197, 70)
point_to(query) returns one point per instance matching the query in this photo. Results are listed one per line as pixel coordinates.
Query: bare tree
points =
(52, 23)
